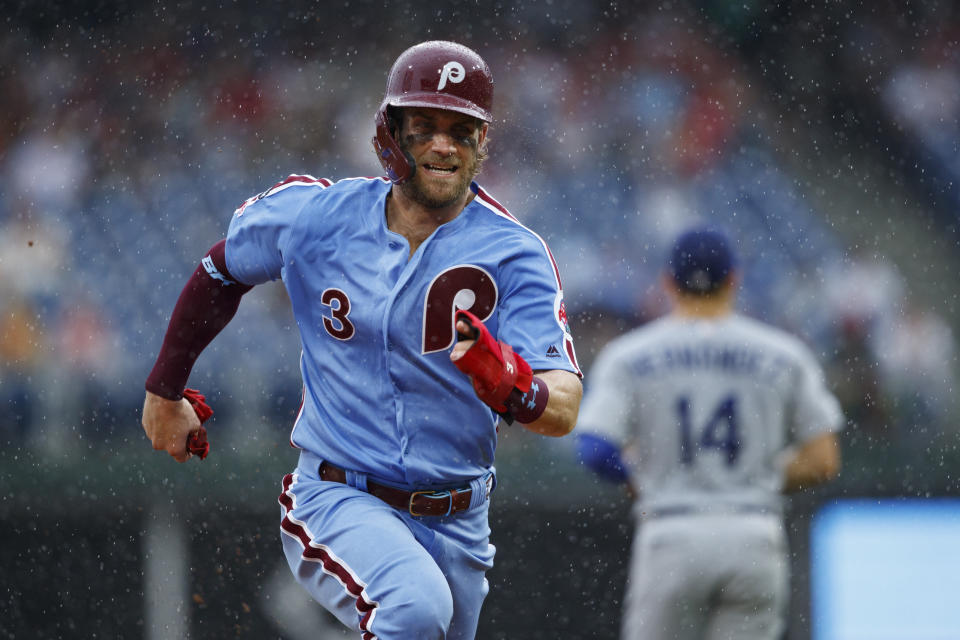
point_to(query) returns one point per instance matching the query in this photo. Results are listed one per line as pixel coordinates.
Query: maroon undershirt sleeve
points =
(207, 303)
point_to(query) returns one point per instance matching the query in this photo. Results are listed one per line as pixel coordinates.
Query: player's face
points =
(445, 145)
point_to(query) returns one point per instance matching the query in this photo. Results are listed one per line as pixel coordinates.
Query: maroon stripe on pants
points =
(316, 552)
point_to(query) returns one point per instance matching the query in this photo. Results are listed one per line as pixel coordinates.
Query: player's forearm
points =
(563, 405)
(208, 302)
(815, 462)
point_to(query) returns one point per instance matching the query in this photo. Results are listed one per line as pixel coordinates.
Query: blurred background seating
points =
(824, 138)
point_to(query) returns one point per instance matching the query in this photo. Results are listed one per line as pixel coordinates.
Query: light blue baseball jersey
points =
(703, 408)
(377, 325)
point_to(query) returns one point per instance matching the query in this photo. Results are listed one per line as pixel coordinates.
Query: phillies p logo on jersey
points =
(464, 286)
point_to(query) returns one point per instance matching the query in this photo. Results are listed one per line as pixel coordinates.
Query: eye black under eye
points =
(422, 132)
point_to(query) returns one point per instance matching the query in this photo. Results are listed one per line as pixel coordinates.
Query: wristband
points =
(527, 407)
(602, 456)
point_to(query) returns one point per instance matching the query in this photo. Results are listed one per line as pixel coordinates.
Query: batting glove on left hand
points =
(197, 441)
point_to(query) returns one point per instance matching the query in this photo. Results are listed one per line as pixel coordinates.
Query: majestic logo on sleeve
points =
(452, 71)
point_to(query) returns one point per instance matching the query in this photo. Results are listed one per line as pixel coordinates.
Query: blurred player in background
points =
(426, 313)
(709, 416)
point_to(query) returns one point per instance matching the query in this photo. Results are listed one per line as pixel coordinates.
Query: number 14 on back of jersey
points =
(720, 431)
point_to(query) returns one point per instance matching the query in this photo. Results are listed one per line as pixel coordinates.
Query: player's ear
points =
(669, 285)
(733, 280)
(482, 144)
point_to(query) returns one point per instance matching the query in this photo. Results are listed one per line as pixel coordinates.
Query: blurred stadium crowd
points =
(128, 137)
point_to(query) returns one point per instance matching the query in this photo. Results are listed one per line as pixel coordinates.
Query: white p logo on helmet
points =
(452, 71)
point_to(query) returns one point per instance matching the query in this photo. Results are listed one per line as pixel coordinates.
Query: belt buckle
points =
(432, 495)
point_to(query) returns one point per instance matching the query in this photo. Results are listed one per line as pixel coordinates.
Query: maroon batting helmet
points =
(437, 74)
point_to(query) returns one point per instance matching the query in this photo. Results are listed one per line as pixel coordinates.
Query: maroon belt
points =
(416, 503)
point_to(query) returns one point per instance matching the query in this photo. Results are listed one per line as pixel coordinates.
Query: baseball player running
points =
(426, 313)
(710, 416)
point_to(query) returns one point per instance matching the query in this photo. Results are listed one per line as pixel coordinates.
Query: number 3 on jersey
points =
(337, 325)
(719, 432)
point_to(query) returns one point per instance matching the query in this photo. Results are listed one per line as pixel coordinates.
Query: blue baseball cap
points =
(701, 260)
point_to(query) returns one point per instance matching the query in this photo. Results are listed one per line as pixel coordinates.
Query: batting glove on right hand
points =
(494, 368)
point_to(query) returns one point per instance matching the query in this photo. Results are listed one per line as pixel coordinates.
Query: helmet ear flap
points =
(399, 164)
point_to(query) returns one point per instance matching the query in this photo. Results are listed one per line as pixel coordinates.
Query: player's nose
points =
(443, 143)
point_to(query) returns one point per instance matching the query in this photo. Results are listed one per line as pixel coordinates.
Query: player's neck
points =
(416, 222)
(706, 307)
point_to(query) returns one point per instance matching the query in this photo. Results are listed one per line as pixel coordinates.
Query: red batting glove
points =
(197, 441)
(492, 365)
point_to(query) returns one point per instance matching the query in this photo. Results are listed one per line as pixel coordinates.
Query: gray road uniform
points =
(703, 411)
